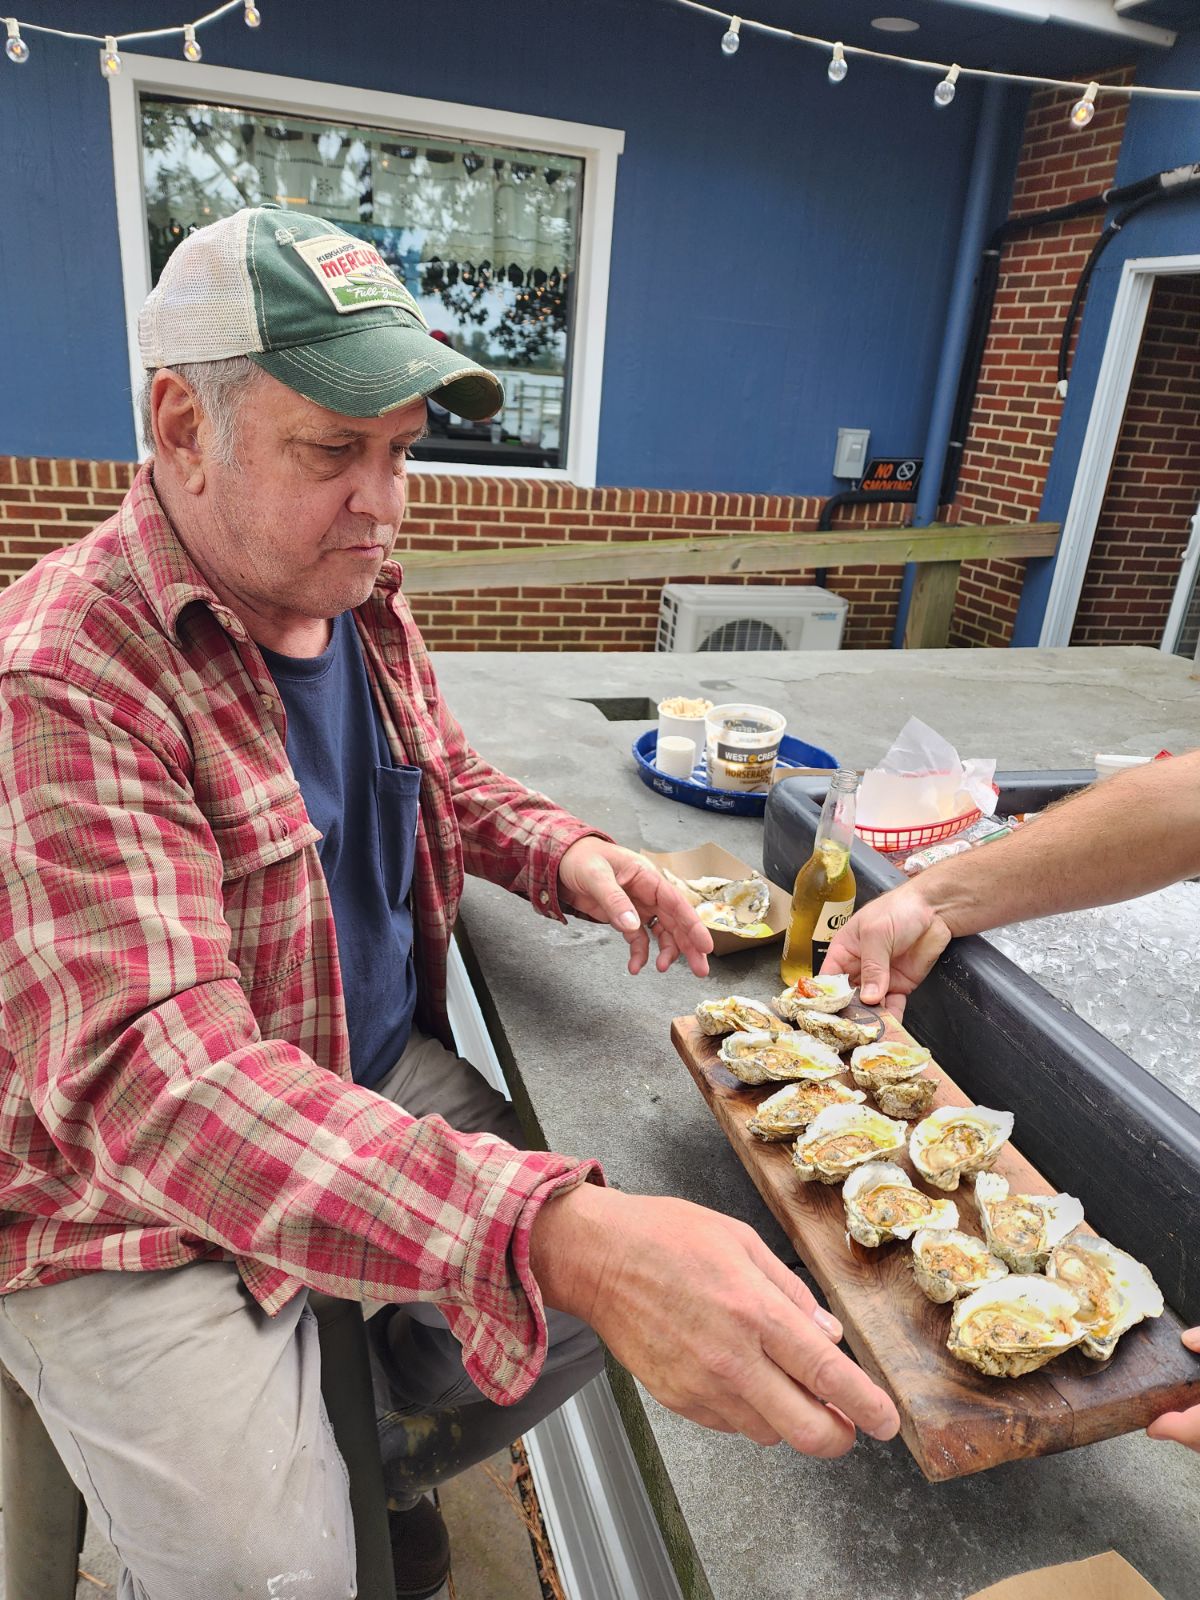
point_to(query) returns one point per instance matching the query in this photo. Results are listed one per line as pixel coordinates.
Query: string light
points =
(110, 57)
(838, 65)
(949, 72)
(732, 36)
(945, 90)
(15, 47)
(191, 47)
(252, 16)
(1084, 110)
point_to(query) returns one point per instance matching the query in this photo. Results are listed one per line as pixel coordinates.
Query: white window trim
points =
(598, 147)
(1100, 442)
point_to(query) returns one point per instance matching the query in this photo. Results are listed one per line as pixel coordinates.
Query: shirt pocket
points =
(397, 810)
(267, 866)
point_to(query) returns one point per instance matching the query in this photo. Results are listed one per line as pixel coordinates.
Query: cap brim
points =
(365, 372)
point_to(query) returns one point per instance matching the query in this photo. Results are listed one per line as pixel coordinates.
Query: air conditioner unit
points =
(752, 616)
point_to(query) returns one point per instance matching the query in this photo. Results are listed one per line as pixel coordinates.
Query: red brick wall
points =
(1017, 411)
(1154, 486)
(44, 504)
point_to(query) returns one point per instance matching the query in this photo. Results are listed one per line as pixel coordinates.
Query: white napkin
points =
(922, 780)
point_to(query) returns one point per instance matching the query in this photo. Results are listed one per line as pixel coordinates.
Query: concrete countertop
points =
(588, 1052)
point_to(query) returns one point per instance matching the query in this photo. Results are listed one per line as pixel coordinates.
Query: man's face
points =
(297, 530)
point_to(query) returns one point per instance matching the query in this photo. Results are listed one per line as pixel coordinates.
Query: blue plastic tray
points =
(694, 791)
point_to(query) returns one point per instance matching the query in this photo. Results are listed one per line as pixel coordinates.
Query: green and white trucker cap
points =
(316, 308)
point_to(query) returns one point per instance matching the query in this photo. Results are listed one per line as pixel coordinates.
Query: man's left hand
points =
(614, 885)
(1181, 1427)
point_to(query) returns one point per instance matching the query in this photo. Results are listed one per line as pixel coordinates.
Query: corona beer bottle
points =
(823, 898)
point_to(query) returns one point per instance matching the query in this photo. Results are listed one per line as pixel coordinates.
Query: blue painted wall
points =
(1159, 135)
(782, 248)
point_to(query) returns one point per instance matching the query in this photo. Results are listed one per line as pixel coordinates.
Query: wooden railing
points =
(938, 552)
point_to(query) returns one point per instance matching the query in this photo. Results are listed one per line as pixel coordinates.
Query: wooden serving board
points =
(953, 1419)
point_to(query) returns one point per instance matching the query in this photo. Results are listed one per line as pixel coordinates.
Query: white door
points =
(1182, 632)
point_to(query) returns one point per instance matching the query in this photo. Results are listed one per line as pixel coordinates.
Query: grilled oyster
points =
(789, 1111)
(1014, 1326)
(882, 1203)
(910, 1099)
(839, 1032)
(888, 1061)
(955, 1140)
(1022, 1229)
(736, 1014)
(947, 1263)
(816, 994)
(757, 1056)
(842, 1138)
(1113, 1290)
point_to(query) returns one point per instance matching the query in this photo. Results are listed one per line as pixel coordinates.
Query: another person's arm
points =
(1126, 836)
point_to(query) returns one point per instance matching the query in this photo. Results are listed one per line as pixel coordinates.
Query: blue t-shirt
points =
(366, 809)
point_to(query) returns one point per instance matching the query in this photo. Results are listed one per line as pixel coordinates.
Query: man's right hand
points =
(889, 946)
(696, 1307)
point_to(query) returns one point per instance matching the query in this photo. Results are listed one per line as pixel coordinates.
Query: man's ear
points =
(176, 418)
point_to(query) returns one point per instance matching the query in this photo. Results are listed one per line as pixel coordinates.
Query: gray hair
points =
(220, 389)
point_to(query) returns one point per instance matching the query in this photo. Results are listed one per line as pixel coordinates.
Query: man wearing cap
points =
(235, 814)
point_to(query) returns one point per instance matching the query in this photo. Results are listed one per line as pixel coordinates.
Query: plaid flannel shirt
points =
(174, 1062)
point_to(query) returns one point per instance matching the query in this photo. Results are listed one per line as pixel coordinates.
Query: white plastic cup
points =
(671, 726)
(675, 756)
(1106, 766)
(742, 746)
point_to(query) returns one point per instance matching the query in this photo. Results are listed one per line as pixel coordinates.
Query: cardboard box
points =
(710, 861)
(1105, 1577)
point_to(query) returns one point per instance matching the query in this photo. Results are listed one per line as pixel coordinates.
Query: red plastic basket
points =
(902, 841)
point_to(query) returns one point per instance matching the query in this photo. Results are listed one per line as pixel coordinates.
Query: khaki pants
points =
(193, 1423)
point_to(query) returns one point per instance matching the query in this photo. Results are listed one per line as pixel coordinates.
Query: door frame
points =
(1121, 352)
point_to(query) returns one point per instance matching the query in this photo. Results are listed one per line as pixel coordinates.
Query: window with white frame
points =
(500, 223)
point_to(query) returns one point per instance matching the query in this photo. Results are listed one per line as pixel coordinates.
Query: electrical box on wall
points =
(850, 457)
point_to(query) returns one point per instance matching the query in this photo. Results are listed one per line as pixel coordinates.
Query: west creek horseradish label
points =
(354, 275)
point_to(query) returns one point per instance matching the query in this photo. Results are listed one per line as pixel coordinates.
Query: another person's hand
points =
(889, 946)
(614, 885)
(1182, 1427)
(696, 1307)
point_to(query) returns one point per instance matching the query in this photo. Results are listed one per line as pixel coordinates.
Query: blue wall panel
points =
(1159, 135)
(782, 248)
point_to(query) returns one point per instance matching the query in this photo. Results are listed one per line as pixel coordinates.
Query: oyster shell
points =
(883, 1203)
(789, 1111)
(757, 1056)
(1113, 1290)
(888, 1061)
(736, 1014)
(955, 1140)
(1014, 1326)
(1022, 1229)
(842, 1138)
(838, 1032)
(833, 993)
(910, 1099)
(947, 1263)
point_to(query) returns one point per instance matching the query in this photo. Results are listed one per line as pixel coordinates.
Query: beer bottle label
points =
(834, 915)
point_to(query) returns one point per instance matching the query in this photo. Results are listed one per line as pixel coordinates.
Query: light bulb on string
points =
(252, 16)
(732, 36)
(1084, 110)
(945, 90)
(838, 66)
(191, 46)
(15, 47)
(110, 57)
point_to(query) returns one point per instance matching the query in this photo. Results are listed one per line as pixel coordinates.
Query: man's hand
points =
(1182, 1427)
(614, 885)
(696, 1307)
(889, 946)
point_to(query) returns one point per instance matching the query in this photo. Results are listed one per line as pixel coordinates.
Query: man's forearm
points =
(1124, 837)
